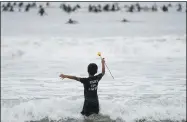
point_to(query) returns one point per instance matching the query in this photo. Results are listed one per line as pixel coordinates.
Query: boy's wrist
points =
(65, 76)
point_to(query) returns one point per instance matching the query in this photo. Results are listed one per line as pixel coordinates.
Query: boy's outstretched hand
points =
(69, 77)
(62, 76)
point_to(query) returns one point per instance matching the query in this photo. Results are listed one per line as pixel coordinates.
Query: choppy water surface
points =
(147, 57)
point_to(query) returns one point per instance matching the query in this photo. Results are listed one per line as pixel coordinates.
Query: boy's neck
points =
(90, 75)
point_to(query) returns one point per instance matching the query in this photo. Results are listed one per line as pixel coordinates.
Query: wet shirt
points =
(90, 86)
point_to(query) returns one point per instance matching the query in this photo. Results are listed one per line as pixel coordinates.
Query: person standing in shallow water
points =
(42, 11)
(91, 101)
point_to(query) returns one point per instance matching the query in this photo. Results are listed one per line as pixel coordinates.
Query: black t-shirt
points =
(90, 86)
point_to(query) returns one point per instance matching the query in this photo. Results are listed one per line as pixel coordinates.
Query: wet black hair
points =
(92, 68)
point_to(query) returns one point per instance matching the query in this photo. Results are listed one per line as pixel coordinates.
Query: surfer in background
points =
(91, 102)
(124, 20)
(70, 21)
(42, 11)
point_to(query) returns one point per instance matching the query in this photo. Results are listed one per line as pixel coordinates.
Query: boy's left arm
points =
(70, 77)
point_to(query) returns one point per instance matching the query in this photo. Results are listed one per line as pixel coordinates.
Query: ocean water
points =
(147, 57)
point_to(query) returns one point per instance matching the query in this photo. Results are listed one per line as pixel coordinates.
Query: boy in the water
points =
(91, 102)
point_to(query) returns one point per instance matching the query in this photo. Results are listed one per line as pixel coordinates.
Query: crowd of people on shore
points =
(21, 7)
(25, 7)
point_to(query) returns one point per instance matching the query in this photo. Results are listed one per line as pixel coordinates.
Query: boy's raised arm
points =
(69, 77)
(103, 65)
